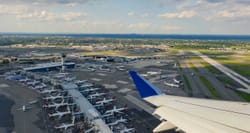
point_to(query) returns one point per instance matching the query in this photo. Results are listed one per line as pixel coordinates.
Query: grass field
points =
(243, 95)
(188, 85)
(225, 80)
(124, 53)
(210, 87)
(237, 61)
(193, 67)
(179, 65)
(206, 65)
(210, 68)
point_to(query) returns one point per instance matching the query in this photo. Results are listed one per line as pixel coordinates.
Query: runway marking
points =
(4, 85)
(96, 79)
(101, 74)
(122, 82)
(110, 86)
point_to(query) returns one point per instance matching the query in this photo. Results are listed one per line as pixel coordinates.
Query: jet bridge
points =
(89, 111)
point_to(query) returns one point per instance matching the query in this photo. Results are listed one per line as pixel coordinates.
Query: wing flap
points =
(194, 124)
(194, 107)
(164, 126)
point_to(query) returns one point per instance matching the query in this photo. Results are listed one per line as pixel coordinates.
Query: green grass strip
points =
(188, 85)
(210, 68)
(193, 67)
(210, 87)
(179, 65)
(243, 95)
(225, 80)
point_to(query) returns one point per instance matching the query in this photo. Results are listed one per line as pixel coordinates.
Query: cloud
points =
(241, 13)
(43, 2)
(180, 15)
(13, 10)
(169, 3)
(145, 15)
(130, 14)
(171, 28)
(50, 16)
(24, 12)
(214, 1)
(141, 25)
(219, 10)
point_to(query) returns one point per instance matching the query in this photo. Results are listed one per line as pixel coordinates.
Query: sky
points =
(126, 16)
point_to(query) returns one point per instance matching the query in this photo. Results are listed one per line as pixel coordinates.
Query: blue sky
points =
(126, 16)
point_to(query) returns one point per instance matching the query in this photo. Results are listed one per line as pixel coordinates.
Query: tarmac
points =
(6, 118)
(24, 122)
(119, 85)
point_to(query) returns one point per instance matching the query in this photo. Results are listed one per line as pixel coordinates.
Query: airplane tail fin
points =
(144, 87)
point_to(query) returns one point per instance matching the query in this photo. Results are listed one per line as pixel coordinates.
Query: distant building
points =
(49, 67)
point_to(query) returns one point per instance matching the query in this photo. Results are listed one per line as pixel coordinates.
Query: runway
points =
(227, 94)
(235, 76)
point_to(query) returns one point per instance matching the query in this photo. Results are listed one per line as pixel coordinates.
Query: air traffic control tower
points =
(63, 56)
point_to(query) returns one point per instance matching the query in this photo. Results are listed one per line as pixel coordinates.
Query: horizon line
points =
(64, 33)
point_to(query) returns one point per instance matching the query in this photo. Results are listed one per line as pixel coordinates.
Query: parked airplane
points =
(127, 130)
(115, 110)
(24, 108)
(95, 95)
(86, 85)
(107, 115)
(48, 91)
(153, 73)
(57, 105)
(121, 120)
(60, 75)
(177, 81)
(104, 101)
(91, 69)
(121, 68)
(194, 115)
(80, 82)
(90, 130)
(69, 79)
(24, 80)
(91, 89)
(60, 114)
(103, 68)
(55, 97)
(33, 83)
(65, 126)
(33, 102)
(171, 84)
(39, 87)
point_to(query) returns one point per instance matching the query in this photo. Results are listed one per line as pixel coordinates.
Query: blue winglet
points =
(145, 88)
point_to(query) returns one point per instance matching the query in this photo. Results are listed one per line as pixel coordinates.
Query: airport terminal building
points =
(49, 67)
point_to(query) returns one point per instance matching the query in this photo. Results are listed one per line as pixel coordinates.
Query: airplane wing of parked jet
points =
(194, 115)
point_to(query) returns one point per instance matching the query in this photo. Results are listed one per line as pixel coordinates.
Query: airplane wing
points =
(194, 115)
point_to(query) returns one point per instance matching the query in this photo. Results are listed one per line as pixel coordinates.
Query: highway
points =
(235, 76)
